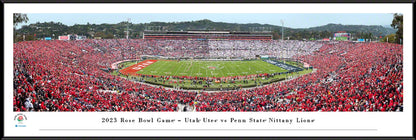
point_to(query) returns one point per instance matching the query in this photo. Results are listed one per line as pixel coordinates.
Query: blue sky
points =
(290, 20)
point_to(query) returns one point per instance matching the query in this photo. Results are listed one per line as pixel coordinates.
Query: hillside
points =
(375, 30)
(118, 30)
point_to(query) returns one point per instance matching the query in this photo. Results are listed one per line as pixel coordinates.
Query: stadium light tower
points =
(127, 36)
(281, 21)
(283, 24)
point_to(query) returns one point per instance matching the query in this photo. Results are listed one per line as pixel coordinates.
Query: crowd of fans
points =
(253, 48)
(349, 77)
(68, 76)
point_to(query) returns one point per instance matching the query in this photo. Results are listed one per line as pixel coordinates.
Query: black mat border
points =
(202, 1)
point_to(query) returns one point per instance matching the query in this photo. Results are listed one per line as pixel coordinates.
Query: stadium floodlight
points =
(281, 21)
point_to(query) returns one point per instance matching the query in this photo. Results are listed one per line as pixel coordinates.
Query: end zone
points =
(137, 67)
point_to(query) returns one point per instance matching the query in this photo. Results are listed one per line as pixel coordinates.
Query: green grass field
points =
(209, 68)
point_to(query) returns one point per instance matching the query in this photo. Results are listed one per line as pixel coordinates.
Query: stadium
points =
(207, 70)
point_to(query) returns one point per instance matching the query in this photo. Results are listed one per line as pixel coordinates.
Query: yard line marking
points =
(178, 68)
(227, 70)
(238, 66)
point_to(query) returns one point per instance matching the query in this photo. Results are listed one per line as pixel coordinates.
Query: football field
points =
(209, 68)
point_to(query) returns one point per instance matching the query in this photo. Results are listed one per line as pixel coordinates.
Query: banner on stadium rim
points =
(63, 37)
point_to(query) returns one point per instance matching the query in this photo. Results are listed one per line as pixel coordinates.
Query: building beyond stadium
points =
(207, 35)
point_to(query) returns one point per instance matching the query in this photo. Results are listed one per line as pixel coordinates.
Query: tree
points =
(108, 36)
(397, 23)
(19, 18)
(391, 38)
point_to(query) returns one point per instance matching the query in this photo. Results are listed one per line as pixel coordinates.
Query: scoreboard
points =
(342, 36)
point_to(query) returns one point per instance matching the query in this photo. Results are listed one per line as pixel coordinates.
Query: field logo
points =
(20, 118)
(215, 67)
